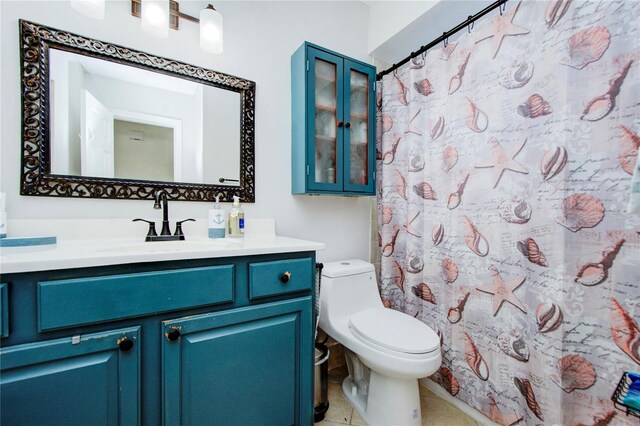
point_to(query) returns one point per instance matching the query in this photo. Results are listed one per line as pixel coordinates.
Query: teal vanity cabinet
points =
(224, 341)
(333, 123)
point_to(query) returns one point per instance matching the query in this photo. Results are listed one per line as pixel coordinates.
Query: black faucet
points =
(165, 234)
(161, 195)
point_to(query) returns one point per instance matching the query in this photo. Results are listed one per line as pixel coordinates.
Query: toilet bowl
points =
(387, 351)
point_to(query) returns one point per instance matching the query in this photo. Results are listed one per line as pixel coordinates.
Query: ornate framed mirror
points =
(104, 121)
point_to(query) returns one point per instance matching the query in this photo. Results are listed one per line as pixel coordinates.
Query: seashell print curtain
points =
(504, 164)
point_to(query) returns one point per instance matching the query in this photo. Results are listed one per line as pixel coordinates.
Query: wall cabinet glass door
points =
(326, 121)
(334, 147)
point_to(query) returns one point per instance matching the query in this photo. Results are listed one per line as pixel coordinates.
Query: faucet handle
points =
(152, 228)
(179, 228)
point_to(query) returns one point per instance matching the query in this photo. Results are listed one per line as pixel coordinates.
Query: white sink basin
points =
(174, 246)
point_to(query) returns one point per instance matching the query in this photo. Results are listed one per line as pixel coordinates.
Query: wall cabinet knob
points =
(347, 125)
(173, 335)
(340, 123)
(285, 277)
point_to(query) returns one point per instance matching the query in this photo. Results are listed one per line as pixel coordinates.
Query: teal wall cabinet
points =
(333, 123)
(225, 341)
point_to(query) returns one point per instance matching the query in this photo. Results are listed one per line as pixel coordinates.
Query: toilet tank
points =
(347, 287)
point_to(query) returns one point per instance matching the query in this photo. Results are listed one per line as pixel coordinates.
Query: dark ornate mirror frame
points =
(36, 178)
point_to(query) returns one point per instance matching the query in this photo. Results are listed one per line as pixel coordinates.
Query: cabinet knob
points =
(347, 125)
(340, 123)
(285, 277)
(173, 335)
(125, 345)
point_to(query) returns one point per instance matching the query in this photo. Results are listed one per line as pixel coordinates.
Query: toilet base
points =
(381, 400)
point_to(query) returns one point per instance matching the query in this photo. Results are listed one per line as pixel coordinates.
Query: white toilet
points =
(387, 351)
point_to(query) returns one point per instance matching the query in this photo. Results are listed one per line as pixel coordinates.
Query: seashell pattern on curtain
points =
(502, 213)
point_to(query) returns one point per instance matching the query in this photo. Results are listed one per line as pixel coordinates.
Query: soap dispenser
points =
(216, 220)
(236, 219)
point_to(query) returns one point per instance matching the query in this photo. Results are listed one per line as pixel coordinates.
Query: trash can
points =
(320, 398)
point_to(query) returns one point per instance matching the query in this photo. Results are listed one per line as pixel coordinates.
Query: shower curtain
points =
(505, 163)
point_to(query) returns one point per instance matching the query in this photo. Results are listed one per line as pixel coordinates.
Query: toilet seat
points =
(394, 332)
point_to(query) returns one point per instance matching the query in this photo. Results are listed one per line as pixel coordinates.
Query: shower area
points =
(505, 221)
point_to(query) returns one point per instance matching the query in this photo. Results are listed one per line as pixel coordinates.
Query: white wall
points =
(387, 18)
(150, 158)
(221, 134)
(66, 91)
(259, 40)
(59, 123)
(76, 94)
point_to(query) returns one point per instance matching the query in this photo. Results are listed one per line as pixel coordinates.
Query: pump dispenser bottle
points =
(216, 220)
(236, 219)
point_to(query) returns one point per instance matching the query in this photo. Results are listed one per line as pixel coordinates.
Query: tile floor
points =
(435, 411)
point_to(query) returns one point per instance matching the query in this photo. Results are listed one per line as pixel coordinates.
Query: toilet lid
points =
(394, 330)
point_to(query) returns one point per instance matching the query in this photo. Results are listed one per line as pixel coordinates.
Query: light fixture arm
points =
(187, 17)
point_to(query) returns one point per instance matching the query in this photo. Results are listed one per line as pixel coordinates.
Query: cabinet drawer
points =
(266, 278)
(66, 303)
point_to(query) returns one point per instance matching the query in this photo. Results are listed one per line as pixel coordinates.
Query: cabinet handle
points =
(347, 125)
(340, 123)
(173, 335)
(125, 345)
(285, 277)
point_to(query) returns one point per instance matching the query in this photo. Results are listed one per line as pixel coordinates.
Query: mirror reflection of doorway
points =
(143, 151)
(96, 136)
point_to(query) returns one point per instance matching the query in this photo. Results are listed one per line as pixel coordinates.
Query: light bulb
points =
(155, 17)
(211, 30)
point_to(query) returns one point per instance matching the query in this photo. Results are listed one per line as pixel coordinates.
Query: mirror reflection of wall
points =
(143, 151)
(222, 122)
(89, 97)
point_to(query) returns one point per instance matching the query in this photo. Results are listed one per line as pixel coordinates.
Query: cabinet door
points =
(248, 366)
(92, 379)
(359, 132)
(324, 121)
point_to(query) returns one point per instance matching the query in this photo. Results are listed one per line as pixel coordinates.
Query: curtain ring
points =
(445, 39)
(424, 55)
(470, 24)
(395, 70)
(503, 7)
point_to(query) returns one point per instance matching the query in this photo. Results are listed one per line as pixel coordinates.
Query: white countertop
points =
(68, 254)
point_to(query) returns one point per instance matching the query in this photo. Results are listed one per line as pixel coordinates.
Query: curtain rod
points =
(445, 35)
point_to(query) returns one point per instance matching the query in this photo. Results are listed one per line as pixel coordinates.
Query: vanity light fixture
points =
(91, 8)
(210, 21)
